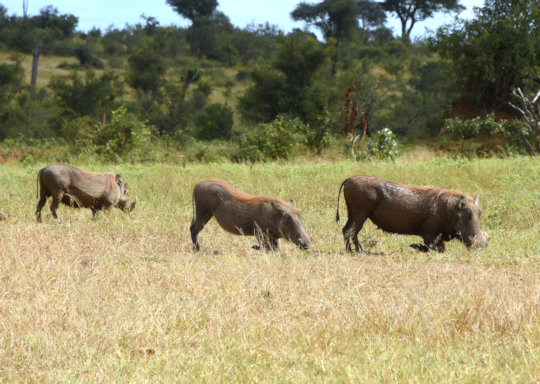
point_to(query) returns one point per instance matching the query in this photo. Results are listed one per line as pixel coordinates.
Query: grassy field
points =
(123, 299)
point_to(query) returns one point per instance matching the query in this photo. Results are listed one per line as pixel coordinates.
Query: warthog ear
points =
(292, 203)
(476, 198)
(278, 207)
(460, 202)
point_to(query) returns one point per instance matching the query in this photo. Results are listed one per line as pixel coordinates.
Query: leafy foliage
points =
(383, 145)
(411, 11)
(123, 138)
(497, 51)
(85, 97)
(270, 141)
(193, 9)
(86, 56)
(21, 34)
(335, 18)
(284, 87)
(514, 132)
(214, 122)
(146, 70)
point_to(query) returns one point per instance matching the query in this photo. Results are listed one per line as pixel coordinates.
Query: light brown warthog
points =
(267, 218)
(438, 215)
(81, 189)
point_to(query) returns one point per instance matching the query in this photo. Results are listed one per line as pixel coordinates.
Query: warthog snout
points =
(478, 241)
(305, 242)
(481, 241)
(132, 205)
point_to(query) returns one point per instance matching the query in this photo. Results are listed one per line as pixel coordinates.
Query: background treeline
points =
(214, 90)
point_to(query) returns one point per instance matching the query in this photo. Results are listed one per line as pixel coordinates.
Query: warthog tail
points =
(338, 195)
(193, 203)
(37, 183)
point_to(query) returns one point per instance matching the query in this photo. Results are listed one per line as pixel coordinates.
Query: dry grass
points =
(48, 66)
(122, 298)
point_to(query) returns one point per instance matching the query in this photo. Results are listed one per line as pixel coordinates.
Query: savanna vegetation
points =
(122, 298)
(214, 91)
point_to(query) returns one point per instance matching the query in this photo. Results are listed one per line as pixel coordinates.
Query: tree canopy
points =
(193, 9)
(495, 52)
(409, 12)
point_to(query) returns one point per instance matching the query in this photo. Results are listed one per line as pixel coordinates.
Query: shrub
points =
(215, 121)
(318, 133)
(77, 96)
(486, 128)
(383, 145)
(123, 138)
(86, 57)
(270, 141)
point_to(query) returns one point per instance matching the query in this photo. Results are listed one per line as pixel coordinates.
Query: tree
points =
(529, 108)
(409, 12)
(370, 15)
(336, 19)
(214, 121)
(194, 9)
(146, 70)
(497, 51)
(206, 34)
(285, 86)
(85, 97)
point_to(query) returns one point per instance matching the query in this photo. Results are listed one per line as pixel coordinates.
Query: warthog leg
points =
(431, 244)
(197, 225)
(266, 241)
(56, 199)
(41, 203)
(355, 222)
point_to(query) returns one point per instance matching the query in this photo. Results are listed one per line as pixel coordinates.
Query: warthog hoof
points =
(420, 247)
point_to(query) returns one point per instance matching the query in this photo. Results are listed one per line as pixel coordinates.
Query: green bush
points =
(123, 138)
(318, 133)
(383, 145)
(214, 121)
(486, 129)
(270, 141)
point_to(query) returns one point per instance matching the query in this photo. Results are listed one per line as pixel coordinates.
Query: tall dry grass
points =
(123, 299)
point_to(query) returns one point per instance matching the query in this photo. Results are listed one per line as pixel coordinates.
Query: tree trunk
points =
(35, 63)
(334, 64)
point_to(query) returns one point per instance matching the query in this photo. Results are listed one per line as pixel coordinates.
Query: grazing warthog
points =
(267, 218)
(81, 189)
(438, 215)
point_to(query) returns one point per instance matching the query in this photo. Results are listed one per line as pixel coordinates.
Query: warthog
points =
(81, 189)
(267, 218)
(438, 215)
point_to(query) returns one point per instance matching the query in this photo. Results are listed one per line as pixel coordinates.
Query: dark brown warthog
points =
(267, 218)
(81, 189)
(438, 215)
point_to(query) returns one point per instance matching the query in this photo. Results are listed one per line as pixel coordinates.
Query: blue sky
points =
(104, 13)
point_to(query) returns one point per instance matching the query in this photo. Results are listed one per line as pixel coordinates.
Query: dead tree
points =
(35, 64)
(353, 115)
(530, 110)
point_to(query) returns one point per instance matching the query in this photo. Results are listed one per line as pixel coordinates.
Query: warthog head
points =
(123, 202)
(467, 222)
(291, 227)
